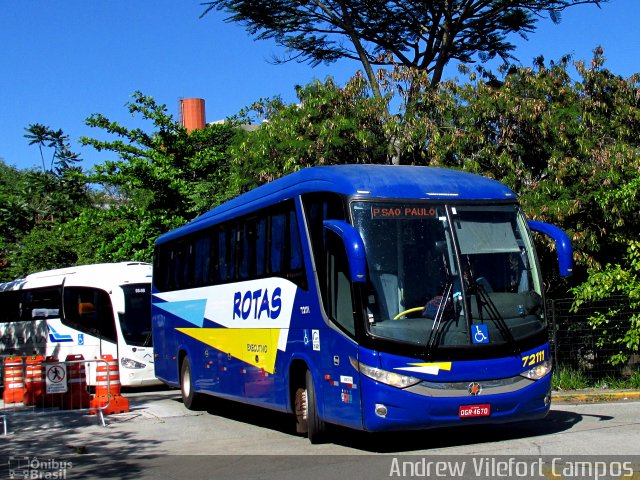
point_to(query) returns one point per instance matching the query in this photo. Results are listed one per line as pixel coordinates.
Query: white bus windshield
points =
(135, 322)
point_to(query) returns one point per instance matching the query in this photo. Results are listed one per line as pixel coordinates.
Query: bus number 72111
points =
(530, 360)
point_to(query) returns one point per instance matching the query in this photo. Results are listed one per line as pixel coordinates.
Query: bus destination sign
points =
(399, 212)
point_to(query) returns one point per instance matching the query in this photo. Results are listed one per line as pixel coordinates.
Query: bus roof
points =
(97, 275)
(366, 181)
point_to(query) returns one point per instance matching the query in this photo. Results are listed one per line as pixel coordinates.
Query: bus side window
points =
(89, 310)
(10, 301)
(318, 207)
(86, 308)
(202, 259)
(295, 248)
(247, 250)
(278, 230)
(160, 271)
(261, 246)
(338, 299)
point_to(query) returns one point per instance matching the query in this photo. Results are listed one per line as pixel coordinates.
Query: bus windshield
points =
(135, 322)
(449, 275)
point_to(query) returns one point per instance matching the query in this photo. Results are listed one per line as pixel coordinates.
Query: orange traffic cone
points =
(13, 380)
(107, 395)
(33, 381)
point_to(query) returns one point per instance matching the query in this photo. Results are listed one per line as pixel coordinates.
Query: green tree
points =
(157, 181)
(615, 279)
(425, 35)
(328, 125)
(36, 203)
(62, 158)
(15, 213)
(44, 247)
(564, 136)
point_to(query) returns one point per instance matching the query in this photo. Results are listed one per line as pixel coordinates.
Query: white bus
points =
(91, 310)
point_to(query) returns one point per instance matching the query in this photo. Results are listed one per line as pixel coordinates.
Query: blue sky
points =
(62, 61)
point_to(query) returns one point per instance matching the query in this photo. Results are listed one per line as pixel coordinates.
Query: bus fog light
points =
(129, 363)
(381, 410)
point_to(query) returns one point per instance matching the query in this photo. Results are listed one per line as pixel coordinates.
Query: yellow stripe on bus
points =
(256, 346)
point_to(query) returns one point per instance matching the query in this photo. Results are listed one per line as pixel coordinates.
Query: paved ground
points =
(159, 437)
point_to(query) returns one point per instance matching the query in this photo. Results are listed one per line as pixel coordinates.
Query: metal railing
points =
(579, 345)
(56, 403)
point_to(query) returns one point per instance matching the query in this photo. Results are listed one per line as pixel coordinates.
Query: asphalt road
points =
(159, 438)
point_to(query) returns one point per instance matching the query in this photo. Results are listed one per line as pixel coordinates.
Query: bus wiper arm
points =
(437, 321)
(485, 298)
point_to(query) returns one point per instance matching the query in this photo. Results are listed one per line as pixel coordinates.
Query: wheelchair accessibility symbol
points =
(480, 334)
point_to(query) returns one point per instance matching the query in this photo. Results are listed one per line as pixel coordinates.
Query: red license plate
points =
(469, 411)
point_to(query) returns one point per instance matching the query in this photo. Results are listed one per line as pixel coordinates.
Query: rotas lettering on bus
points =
(257, 303)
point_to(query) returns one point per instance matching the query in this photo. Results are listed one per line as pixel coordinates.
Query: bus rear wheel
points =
(191, 399)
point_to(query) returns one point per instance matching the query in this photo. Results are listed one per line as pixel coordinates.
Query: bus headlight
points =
(129, 363)
(539, 371)
(383, 376)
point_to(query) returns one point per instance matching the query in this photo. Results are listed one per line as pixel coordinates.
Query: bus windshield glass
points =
(135, 322)
(444, 276)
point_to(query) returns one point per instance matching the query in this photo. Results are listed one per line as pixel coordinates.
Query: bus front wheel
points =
(316, 427)
(190, 398)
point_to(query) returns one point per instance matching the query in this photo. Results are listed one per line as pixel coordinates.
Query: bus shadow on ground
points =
(406, 441)
(438, 438)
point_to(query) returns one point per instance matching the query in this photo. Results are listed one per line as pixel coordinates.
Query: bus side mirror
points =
(563, 245)
(354, 247)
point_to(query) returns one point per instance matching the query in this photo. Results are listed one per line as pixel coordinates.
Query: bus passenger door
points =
(89, 312)
(341, 380)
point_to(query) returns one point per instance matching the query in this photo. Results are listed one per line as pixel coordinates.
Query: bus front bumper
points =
(386, 408)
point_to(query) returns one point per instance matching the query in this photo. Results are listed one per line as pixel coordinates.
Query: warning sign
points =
(56, 377)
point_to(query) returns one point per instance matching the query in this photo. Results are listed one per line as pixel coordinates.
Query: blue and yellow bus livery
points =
(373, 297)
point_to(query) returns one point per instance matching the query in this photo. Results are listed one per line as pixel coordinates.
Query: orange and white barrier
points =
(33, 380)
(77, 395)
(107, 397)
(13, 380)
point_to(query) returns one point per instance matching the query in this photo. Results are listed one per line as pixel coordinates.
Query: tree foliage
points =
(615, 279)
(156, 180)
(62, 158)
(329, 125)
(424, 35)
(566, 146)
(35, 203)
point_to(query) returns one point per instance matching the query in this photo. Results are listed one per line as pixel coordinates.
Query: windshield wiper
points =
(437, 321)
(483, 298)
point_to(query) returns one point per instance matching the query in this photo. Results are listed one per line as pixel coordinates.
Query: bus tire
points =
(316, 427)
(191, 399)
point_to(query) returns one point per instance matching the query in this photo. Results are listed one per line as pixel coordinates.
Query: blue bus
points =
(373, 297)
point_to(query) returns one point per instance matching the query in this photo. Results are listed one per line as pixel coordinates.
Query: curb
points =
(594, 396)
